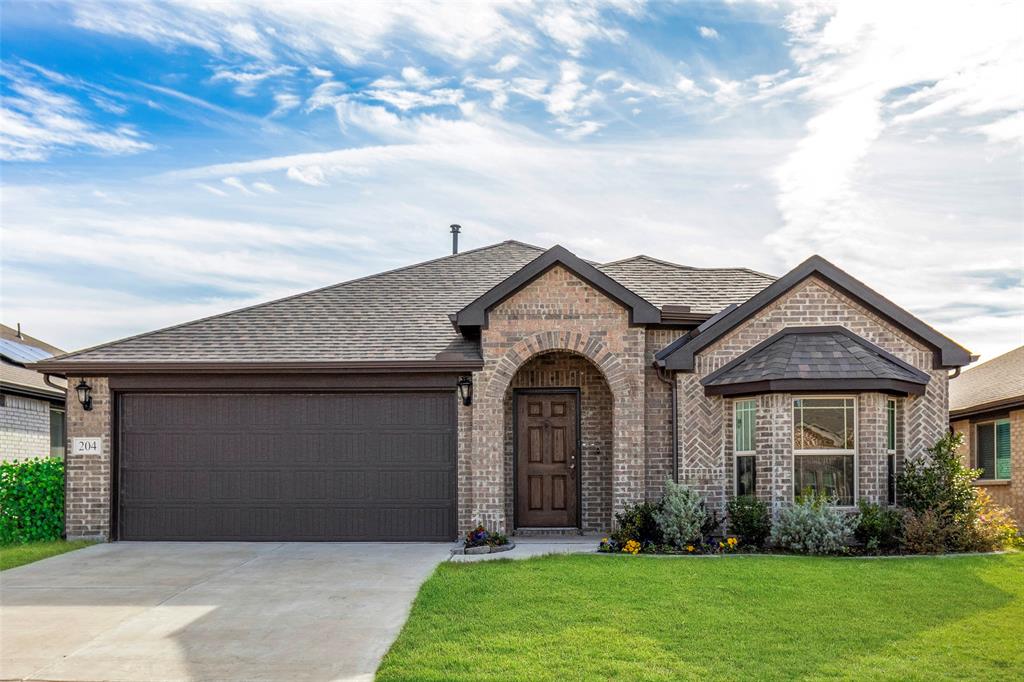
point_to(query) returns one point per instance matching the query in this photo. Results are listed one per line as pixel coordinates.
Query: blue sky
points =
(164, 161)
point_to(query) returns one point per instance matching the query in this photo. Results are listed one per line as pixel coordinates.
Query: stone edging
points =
(485, 549)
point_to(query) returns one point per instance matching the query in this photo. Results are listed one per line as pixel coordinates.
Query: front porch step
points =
(547, 532)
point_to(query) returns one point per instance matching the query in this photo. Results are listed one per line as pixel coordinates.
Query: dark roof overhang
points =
(475, 314)
(31, 392)
(828, 358)
(83, 368)
(680, 354)
(995, 407)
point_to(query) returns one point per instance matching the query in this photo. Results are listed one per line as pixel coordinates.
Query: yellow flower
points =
(689, 548)
(732, 542)
(721, 544)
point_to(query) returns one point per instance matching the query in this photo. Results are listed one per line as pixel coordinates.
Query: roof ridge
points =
(680, 266)
(1007, 356)
(293, 296)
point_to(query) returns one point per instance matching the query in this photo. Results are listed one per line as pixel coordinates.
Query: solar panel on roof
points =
(22, 353)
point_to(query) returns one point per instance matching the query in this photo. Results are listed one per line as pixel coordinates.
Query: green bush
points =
(879, 529)
(813, 526)
(749, 520)
(939, 482)
(31, 500)
(637, 522)
(681, 516)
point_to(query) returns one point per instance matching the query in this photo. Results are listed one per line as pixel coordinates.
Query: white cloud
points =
(323, 74)
(574, 25)
(249, 78)
(36, 122)
(410, 99)
(239, 185)
(308, 175)
(495, 86)
(285, 102)
(418, 78)
(264, 187)
(708, 33)
(506, 63)
(211, 189)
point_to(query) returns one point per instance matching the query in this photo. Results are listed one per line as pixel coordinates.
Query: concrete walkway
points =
(527, 547)
(214, 611)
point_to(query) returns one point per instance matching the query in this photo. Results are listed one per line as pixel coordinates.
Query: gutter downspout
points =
(48, 382)
(670, 380)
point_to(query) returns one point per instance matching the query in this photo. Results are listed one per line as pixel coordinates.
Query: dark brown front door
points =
(546, 460)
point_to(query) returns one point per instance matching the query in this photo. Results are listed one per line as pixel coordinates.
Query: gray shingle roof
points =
(400, 315)
(16, 378)
(999, 379)
(814, 354)
(705, 290)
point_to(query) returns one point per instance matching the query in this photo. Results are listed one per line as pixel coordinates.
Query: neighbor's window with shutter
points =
(745, 413)
(57, 432)
(824, 447)
(993, 448)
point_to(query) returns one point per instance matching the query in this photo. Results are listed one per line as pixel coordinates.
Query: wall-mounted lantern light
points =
(465, 385)
(84, 392)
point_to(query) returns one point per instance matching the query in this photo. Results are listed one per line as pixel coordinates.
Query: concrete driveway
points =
(214, 611)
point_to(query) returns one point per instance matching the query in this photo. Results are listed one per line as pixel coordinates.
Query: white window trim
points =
(736, 454)
(895, 419)
(995, 450)
(856, 443)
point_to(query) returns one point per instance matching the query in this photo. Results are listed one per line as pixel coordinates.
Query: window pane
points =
(890, 406)
(746, 411)
(746, 476)
(1003, 450)
(891, 478)
(986, 449)
(823, 424)
(830, 474)
(57, 434)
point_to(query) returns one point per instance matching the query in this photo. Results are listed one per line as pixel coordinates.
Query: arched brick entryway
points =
(488, 467)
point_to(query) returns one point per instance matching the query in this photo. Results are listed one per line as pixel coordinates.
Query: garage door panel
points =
(287, 467)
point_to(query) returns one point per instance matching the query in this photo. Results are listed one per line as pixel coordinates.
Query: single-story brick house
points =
(510, 385)
(986, 405)
(31, 409)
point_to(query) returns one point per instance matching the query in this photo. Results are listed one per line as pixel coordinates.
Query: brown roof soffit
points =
(680, 354)
(817, 386)
(104, 368)
(641, 311)
(994, 406)
(31, 392)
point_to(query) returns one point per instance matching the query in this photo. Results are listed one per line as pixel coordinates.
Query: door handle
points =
(572, 462)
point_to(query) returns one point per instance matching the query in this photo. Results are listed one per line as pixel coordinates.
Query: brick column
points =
(871, 447)
(701, 440)
(87, 487)
(775, 448)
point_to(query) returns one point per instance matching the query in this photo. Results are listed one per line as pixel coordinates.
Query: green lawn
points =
(646, 618)
(19, 555)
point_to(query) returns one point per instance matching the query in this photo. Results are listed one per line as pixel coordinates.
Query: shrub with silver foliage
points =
(682, 515)
(813, 526)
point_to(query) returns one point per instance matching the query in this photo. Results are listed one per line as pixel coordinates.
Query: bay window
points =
(824, 447)
(745, 466)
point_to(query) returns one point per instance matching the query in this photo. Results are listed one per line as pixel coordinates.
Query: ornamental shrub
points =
(636, 522)
(682, 515)
(750, 520)
(939, 482)
(879, 529)
(31, 500)
(480, 536)
(813, 526)
(990, 527)
(925, 533)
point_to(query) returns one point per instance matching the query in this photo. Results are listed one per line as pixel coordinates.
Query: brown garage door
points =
(357, 466)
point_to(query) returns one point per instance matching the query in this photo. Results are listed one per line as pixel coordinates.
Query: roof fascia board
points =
(105, 368)
(640, 310)
(1001, 405)
(678, 356)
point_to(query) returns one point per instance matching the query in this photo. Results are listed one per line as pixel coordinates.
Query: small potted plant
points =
(479, 540)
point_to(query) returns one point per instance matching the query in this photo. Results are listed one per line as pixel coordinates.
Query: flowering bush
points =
(480, 536)
(813, 526)
(631, 547)
(681, 515)
(990, 527)
(636, 522)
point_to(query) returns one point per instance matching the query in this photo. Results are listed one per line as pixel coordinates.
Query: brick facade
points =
(87, 503)
(24, 428)
(1009, 493)
(559, 331)
(705, 422)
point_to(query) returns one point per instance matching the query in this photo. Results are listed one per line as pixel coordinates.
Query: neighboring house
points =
(986, 405)
(336, 414)
(31, 410)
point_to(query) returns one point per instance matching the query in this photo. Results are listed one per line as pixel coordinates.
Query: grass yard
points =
(19, 555)
(646, 618)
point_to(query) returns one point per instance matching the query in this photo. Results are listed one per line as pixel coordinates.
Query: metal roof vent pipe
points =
(455, 238)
